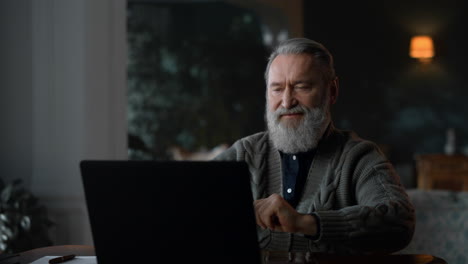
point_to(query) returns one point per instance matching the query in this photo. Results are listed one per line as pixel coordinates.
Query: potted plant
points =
(24, 222)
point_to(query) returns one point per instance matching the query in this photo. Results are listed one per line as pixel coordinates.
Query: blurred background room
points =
(183, 79)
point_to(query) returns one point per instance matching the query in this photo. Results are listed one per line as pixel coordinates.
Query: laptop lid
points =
(170, 211)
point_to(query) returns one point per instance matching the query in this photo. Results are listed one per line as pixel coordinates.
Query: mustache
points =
(298, 109)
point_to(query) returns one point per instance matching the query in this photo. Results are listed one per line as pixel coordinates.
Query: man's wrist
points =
(317, 224)
(307, 225)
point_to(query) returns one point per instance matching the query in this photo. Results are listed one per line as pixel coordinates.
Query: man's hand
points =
(277, 214)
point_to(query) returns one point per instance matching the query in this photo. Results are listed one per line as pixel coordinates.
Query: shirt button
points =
(294, 157)
(289, 190)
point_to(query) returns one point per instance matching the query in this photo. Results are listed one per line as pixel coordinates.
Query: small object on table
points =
(61, 259)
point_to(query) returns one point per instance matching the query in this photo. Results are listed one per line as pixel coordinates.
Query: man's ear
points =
(334, 90)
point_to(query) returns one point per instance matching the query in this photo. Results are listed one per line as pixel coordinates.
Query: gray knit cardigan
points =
(351, 186)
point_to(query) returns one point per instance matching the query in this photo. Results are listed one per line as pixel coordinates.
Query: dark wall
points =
(385, 95)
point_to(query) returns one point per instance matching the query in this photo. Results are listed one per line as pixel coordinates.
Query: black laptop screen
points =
(177, 211)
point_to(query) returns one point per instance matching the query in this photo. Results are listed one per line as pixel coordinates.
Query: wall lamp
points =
(422, 48)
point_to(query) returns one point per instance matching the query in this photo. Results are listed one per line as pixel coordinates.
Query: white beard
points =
(304, 135)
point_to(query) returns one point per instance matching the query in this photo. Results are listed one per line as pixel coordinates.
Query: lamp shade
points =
(421, 47)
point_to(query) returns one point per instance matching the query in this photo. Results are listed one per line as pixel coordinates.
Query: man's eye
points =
(276, 90)
(302, 87)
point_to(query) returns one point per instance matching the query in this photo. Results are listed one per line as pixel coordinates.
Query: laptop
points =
(170, 211)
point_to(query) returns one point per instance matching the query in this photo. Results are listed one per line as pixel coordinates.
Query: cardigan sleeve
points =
(382, 217)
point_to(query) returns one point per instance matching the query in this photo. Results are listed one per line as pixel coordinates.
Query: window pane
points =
(195, 76)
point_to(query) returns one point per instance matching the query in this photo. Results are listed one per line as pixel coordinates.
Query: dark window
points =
(195, 76)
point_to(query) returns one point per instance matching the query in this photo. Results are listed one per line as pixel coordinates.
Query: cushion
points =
(441, 225)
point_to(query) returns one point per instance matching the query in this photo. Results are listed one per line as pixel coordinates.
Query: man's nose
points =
(288, 100)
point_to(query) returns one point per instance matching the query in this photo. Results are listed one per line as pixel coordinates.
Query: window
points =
(195, 76)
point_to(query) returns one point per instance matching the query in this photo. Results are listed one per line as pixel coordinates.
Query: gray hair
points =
(307, 46)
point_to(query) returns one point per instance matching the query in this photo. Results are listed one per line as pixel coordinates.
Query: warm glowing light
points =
(422, 48)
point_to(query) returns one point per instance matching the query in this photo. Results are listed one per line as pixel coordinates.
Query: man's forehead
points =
(294, 64)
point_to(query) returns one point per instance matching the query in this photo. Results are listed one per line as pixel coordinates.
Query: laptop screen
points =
(170, 211)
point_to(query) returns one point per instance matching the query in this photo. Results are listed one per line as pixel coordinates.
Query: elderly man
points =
(317, 188)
